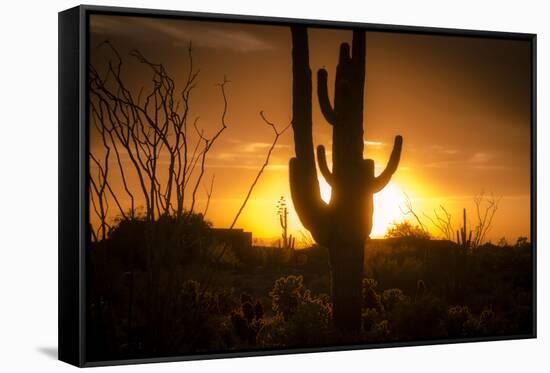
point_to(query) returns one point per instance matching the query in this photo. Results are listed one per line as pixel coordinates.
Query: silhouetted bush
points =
(457, 316)
(371, 299)
(422, 319)
(247, 321)
(370, 317)
(381, 331)
(258, 310)
(407, 230)
(301, 318)
(392, 298)
(287, 294)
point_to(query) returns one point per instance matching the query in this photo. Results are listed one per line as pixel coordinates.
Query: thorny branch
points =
(277, 134)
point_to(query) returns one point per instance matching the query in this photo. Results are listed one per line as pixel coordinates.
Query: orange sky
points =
(461, 104)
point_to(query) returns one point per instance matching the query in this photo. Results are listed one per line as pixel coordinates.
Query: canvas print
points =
(264, 187)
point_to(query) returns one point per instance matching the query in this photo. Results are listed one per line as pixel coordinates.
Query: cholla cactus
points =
(457, 316)
(287, 294)
(344, 224)
(393, 297)
(247, 321)
(371, 299)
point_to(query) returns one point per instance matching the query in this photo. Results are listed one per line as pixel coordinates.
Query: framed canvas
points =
(239, 186)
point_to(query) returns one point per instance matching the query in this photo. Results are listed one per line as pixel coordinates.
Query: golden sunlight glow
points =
(387, 206)
(326, 190)
(387, 209)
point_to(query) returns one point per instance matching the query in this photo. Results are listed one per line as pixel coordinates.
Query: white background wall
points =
(28, 184)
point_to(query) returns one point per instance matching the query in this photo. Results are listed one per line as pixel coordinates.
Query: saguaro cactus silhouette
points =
(344, 224)
(463, 239)
(282, 211)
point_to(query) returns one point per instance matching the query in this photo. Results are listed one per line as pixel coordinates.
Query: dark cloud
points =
(225, 36)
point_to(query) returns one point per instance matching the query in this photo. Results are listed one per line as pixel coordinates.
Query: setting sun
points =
(387, 206)
(387, 209)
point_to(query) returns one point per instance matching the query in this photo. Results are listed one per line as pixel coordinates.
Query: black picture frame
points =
(73, 170)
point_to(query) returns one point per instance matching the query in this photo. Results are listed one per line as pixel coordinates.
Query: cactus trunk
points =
(346, 266)
(344, 224)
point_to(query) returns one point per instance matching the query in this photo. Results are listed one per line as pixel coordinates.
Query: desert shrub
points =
(245, 297)
(310, 323)
(225, 301)
(189, 295)
(407, 230)
(221, 255)
(423, 318)
(248, 311)
(522, 242)
(258, 310)
(176, 241)
(369, 318)
(391, 298)
(247, 321)
(245, 329)
(272, 334)
(301, 317)
(486, 316)
(381, 331)
(484, 324)
(371, 299)
(287, 294)
(457, 316)
(471, 327)
(191, 313)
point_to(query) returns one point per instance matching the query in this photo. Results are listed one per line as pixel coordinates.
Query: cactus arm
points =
(323, 167)
(304, 185)
(322, 94)
(359, 56)
(306, 197)
(383, 179)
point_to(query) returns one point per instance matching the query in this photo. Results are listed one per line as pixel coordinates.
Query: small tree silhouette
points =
(143, 127)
